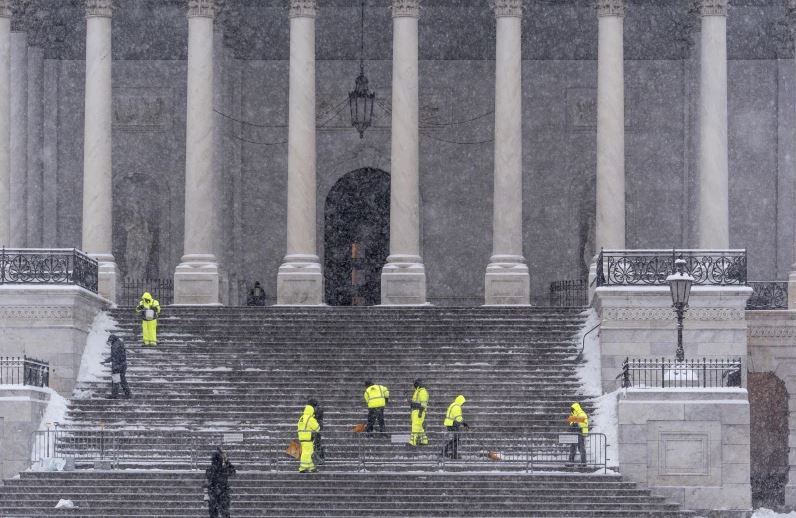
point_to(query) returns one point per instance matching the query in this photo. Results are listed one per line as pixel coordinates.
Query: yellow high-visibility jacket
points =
(420, 399)
(454, 413)
(376, 396)
(147, 302)
(307, 424)
(577, 411)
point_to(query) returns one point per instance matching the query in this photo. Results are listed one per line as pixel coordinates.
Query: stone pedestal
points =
(403, 278)
(507, 282)
(300, 278)
(21, 410)
(639, 322)
(197, 281)
(108, 281)
(690, 445)
(49, 323)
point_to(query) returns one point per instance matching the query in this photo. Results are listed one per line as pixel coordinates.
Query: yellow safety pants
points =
(307, 449)
(150, 331)
(418, 432)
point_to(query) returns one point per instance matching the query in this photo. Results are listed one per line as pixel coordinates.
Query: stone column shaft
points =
(18, 142)
(403, 280)
(300, 281)
(792, 275)
(35, 177)
(713, 220)
(610, 181)
(5, 122)
(507, 279)
(97, 160)
(196, 280)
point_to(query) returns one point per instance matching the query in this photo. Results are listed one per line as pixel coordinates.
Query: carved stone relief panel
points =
(141, 109)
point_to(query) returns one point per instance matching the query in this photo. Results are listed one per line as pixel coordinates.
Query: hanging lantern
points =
(361, 104)
(361, 99)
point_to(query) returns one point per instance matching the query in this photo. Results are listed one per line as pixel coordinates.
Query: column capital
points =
(99, 8)
(201, 8)
(5, 8)
(405, 8)
(303, 9)
(713, 7)
(507, 8)
(611, 8)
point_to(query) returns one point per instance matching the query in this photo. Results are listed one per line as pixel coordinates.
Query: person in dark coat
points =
(118, 361)
(218, 484)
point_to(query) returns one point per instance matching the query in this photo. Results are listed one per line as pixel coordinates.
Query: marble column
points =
(196, 279)
(610, 182)
(792, 275)
(507, 279)
(18, 147)
(403, 278)
(713, 219)
(97, 163)
(35, 177)
(300, 279)
(5, 122)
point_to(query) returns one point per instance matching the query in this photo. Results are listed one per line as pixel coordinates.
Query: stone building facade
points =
(240, 212)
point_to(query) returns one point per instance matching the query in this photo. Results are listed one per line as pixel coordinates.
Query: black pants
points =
(319, 453)
(451, 448)
(580, 446)
(123, 383)
(219, 505)
(375, 414)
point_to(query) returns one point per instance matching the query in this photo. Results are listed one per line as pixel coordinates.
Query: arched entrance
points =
(356, 237)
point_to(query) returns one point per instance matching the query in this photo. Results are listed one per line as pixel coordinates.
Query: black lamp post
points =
(360, 100)
(680, 285)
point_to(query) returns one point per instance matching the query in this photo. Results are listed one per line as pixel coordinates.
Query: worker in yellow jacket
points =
(418, 406)
(580, 421)
(454, 422)
(376, 397)
(307, 428)
(149, 309)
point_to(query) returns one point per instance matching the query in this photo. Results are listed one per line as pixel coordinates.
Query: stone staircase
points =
(241, 376)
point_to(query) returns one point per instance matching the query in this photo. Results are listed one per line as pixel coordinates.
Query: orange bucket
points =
(294, 450)
(359, 428)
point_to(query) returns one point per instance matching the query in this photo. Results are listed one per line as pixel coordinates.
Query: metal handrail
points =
(527, 451)
(24, 371)
(48, 266)
(670, 373)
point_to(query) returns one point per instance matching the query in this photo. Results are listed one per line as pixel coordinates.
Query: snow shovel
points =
(359, 428)
(491, 454)
(294, 450)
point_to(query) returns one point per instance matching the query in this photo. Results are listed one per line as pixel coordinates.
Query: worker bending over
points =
(418, 406)
(376, 397)
(578, 418)
(307, 428)
(454, 422)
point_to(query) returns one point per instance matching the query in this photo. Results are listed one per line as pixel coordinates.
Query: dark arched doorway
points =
(356, 237)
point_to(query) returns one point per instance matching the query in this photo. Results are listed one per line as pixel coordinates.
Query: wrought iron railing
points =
(669, 373)
(518, 450)
(132, 289)
(768, 295)
(24, 371)
(48, 266)
(572, 292)
(651, 267)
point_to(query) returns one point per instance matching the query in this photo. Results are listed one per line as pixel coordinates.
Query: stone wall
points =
(21, 410)
(638, 321)
(690, 445)
(48, 323)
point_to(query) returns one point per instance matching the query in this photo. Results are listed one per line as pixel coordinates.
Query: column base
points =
(507, 281)
(108, 276)
(300, 281)
(403, 281)
(196, 281)
(792, 290)
(790, 490)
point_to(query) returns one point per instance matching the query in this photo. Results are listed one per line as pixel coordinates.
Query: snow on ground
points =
(589, 371)
(768, 513)
(97, 349)
(607, 423)
(55, 411)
